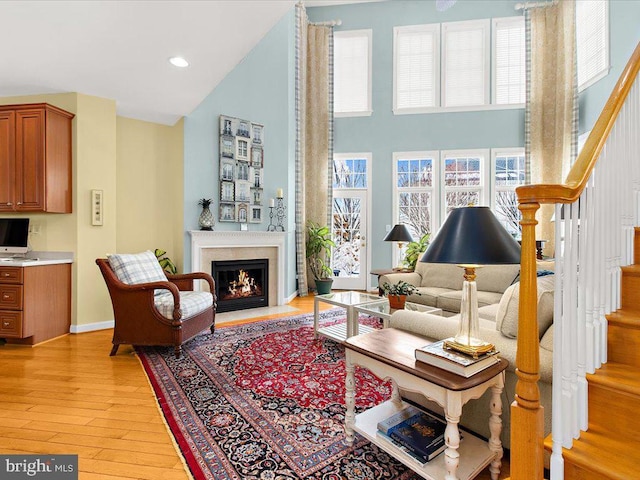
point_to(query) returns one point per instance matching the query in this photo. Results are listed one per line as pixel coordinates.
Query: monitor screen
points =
(14, 235)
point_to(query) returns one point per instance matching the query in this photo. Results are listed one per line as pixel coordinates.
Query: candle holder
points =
(280, 212)
(271, 227)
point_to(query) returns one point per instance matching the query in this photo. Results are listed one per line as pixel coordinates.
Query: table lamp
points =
(399, 233)
(471, 237)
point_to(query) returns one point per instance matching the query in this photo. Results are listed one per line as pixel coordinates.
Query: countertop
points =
(36, 258)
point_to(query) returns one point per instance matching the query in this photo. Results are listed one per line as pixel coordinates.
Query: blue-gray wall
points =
(261, 89)
(383, 132)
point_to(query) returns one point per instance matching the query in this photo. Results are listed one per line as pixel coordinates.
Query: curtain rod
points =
(528, 5)
(330, 23)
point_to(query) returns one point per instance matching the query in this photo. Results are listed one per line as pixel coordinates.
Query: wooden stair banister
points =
(527, 428)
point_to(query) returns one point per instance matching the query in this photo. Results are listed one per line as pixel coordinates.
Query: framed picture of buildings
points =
(241, 170)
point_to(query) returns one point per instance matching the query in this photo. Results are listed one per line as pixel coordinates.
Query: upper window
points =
(509, 61)
(349, 171)
(352, 73)
(465, 63)
(416, 66)
(592, 41)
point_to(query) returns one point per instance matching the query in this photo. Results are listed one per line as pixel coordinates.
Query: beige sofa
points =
(498, 300)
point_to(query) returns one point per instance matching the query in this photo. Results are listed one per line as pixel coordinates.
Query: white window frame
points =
(484, 25)
(497, 23)
(605, 71)
(502, 152)
(485, 155)
(434, 29)
(359, 33)
(434, 189)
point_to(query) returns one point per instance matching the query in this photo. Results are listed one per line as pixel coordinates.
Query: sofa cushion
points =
(428, 295)
(136, 268)
(507, 317)
(191, 303)
(451, 300)
(488, 312)
(443, 275)
(546, 341)
(496, 278)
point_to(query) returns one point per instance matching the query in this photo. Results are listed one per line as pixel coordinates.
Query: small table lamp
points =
(399, 233)
(471, 237)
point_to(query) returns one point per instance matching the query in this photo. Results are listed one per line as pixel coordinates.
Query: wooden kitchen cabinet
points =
(35, 302)
(35, 158)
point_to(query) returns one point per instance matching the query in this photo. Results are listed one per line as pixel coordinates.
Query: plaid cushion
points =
(191, 303)
(136, 268)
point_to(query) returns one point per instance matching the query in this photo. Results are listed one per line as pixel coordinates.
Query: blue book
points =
(422, 434)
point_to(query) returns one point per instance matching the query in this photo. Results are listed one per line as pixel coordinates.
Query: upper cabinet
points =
(35, 159)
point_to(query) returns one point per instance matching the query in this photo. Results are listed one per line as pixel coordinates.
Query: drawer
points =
(10, 274)
(10, 324)
(10, 297)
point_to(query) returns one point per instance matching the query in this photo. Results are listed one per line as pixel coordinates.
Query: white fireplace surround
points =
(240, 241)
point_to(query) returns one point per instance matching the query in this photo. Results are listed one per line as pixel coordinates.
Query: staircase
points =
(610, 448)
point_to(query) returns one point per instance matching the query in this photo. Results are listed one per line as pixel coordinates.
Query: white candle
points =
(272, 202)
(279, 193)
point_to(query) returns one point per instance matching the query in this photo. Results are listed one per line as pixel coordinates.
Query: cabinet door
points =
(30, 150)
(7, 164)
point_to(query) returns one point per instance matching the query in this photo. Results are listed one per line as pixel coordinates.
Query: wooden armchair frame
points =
(138, 322)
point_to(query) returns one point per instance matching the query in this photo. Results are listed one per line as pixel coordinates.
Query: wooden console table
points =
(389, 353)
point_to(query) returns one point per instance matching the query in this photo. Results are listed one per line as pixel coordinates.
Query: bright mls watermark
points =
(49, 467)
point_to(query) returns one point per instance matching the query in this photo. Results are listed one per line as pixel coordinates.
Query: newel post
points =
(527, 419)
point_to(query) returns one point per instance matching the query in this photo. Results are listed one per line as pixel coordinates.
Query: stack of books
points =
(455, 362)
(416, 432)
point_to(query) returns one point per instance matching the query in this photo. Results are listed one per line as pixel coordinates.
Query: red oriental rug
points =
(265, 400)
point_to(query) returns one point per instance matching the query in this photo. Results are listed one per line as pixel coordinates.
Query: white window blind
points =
(416, 66)
(509, 61)
(465, 63)
(592, 39)
(352, 72)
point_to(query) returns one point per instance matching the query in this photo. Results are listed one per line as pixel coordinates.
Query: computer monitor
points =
(14, 235)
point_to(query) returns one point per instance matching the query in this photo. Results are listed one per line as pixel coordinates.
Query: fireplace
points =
(241, 284)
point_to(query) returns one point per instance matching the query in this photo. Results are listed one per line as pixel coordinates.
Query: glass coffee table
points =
(381, 309)
(349, 301)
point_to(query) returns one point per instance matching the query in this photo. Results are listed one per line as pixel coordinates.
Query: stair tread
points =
(625, 317)
(604, 455)
(618, 376)
(633, 270)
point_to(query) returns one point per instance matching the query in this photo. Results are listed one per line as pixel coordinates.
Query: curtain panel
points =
(551, 119)
(314, 132)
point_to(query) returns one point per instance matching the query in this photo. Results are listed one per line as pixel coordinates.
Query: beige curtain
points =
(317, 124)
(551, 103)
(314, 119)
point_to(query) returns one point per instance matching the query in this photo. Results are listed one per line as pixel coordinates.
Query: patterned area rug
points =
(265, 401)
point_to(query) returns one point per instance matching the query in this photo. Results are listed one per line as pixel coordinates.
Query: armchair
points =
(151, 308)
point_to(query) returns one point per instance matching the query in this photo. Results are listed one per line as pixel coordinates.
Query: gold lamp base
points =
(479, 348)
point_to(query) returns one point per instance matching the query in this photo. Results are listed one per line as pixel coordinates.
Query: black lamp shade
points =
(472, 236)
(399, 233)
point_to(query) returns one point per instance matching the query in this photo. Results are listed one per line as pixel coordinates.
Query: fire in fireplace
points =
(241, 284)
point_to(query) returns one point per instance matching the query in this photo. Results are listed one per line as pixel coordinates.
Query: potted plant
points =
(319, 244)
(414, 250)
(165, 262)
(397, 293)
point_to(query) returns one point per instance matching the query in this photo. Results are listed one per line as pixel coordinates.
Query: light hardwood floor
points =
(68, 396)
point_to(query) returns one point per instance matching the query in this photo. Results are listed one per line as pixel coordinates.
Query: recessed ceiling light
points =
(179, 62)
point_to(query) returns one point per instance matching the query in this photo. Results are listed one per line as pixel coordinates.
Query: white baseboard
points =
(291, 297)
(92, 327)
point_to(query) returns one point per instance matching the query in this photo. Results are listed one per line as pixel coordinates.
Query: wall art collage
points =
(241, 170)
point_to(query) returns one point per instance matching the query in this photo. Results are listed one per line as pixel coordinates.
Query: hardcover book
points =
(435, 354)
(421, 434)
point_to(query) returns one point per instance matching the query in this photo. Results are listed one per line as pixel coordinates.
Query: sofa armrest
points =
(412, 278)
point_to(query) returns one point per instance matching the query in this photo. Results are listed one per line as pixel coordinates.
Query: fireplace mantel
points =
(202, 240)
